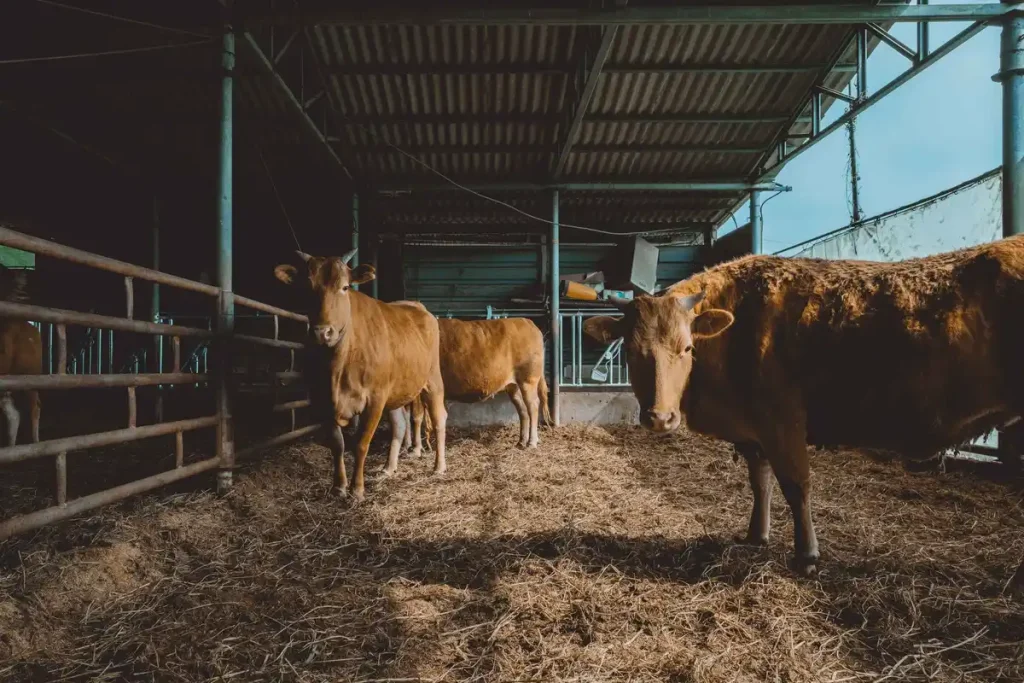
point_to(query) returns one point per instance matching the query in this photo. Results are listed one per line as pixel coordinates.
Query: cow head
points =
(658, 334)
(325, 292)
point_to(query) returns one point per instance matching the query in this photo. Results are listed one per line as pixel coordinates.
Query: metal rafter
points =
(293, 101)
(619, 16)
(692, 186)
(863, 104)
(892, 41)
(528, 149)
(593, 71)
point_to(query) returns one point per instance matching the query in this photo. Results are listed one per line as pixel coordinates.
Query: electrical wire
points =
(280, 203)
(125, 51)
(495, 200)
(126, 20)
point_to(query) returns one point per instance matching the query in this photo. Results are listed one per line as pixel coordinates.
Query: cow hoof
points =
(806, 567)
(533, 444)
(387, 473)
(357, 496)
(417, 454)
(751, 540)
(523, 445)
(339, 492)
(440, 471)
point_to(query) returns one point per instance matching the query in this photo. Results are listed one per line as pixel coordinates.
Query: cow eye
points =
(688, 349)
(345, 288)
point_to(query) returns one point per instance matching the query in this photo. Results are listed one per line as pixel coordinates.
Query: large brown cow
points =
(21, 353)
(773, 354)
(372, 356)
(480, 358)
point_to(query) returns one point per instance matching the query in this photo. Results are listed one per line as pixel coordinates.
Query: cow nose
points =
(663, 421)
(325, 334)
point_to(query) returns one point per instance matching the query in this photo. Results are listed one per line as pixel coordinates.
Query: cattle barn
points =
(298, 372)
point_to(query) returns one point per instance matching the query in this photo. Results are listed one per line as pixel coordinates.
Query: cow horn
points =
(304, 256)
(348, 256)
(688, 302)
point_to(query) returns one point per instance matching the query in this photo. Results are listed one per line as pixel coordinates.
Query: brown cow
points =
(482, 357)
(912, 357)
(21, 353)
(374, 357)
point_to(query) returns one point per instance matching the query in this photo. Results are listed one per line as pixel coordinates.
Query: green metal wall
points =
(466, 279)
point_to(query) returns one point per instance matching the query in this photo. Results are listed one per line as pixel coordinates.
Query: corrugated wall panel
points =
(453, 279)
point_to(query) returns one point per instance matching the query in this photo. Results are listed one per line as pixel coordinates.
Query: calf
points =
(483, 357)
(365, 357)
(773, 354)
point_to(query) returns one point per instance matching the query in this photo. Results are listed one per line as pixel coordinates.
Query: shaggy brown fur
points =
(367, 357)
(913, 356)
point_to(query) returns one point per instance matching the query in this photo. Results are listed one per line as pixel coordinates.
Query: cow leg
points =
(530, 395)
(336, 442)
(35, 408)
(416, 409)
(434, 397)
(11, 416)
(371, 418)
(792, 470)
(524, 416)
(398, 431)
(407, 435)
(759, 471)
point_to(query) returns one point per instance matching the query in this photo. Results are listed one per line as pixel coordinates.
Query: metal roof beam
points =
(620, 16)
(427, 69)
(300, 112)
(527, 148)
(861, 105)
(487, 118)
(684, 186)
(593, 71)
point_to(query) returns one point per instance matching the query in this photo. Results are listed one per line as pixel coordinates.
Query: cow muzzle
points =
(662, 421)
(326, 335)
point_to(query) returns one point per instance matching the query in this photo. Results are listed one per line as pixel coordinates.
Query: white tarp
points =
(964, 216)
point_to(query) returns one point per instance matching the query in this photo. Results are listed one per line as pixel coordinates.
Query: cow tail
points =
(542, 389)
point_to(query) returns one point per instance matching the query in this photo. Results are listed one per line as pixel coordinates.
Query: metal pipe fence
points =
(588, 368)
(92, 366)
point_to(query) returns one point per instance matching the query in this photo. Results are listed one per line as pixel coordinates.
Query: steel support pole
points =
(225, 304)
(756, 238)
(556, 322)
(922, 37)
(1011, 76)
(355, 233)
(158, 340)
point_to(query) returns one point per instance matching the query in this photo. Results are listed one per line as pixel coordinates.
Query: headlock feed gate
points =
(225, 345)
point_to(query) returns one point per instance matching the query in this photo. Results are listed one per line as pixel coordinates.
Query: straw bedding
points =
(604, 555)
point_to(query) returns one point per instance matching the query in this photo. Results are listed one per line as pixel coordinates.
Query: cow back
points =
(910, 355)
(479, 358)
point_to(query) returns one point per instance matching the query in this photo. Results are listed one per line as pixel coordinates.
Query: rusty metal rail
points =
(224, 422)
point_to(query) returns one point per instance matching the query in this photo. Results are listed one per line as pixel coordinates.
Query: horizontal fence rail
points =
(61, 372)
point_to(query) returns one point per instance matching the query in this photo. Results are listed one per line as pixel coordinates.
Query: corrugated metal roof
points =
(476, 103)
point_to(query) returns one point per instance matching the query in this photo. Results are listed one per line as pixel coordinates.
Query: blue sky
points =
(938, 130)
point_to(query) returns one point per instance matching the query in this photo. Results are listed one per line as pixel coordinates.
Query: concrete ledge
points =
(590, 407)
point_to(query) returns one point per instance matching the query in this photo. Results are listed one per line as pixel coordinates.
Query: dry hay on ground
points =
(604, 555)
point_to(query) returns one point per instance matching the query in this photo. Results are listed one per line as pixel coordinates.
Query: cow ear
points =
(285, 273)
(603, 328)
(363, 273)
(711, 323)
